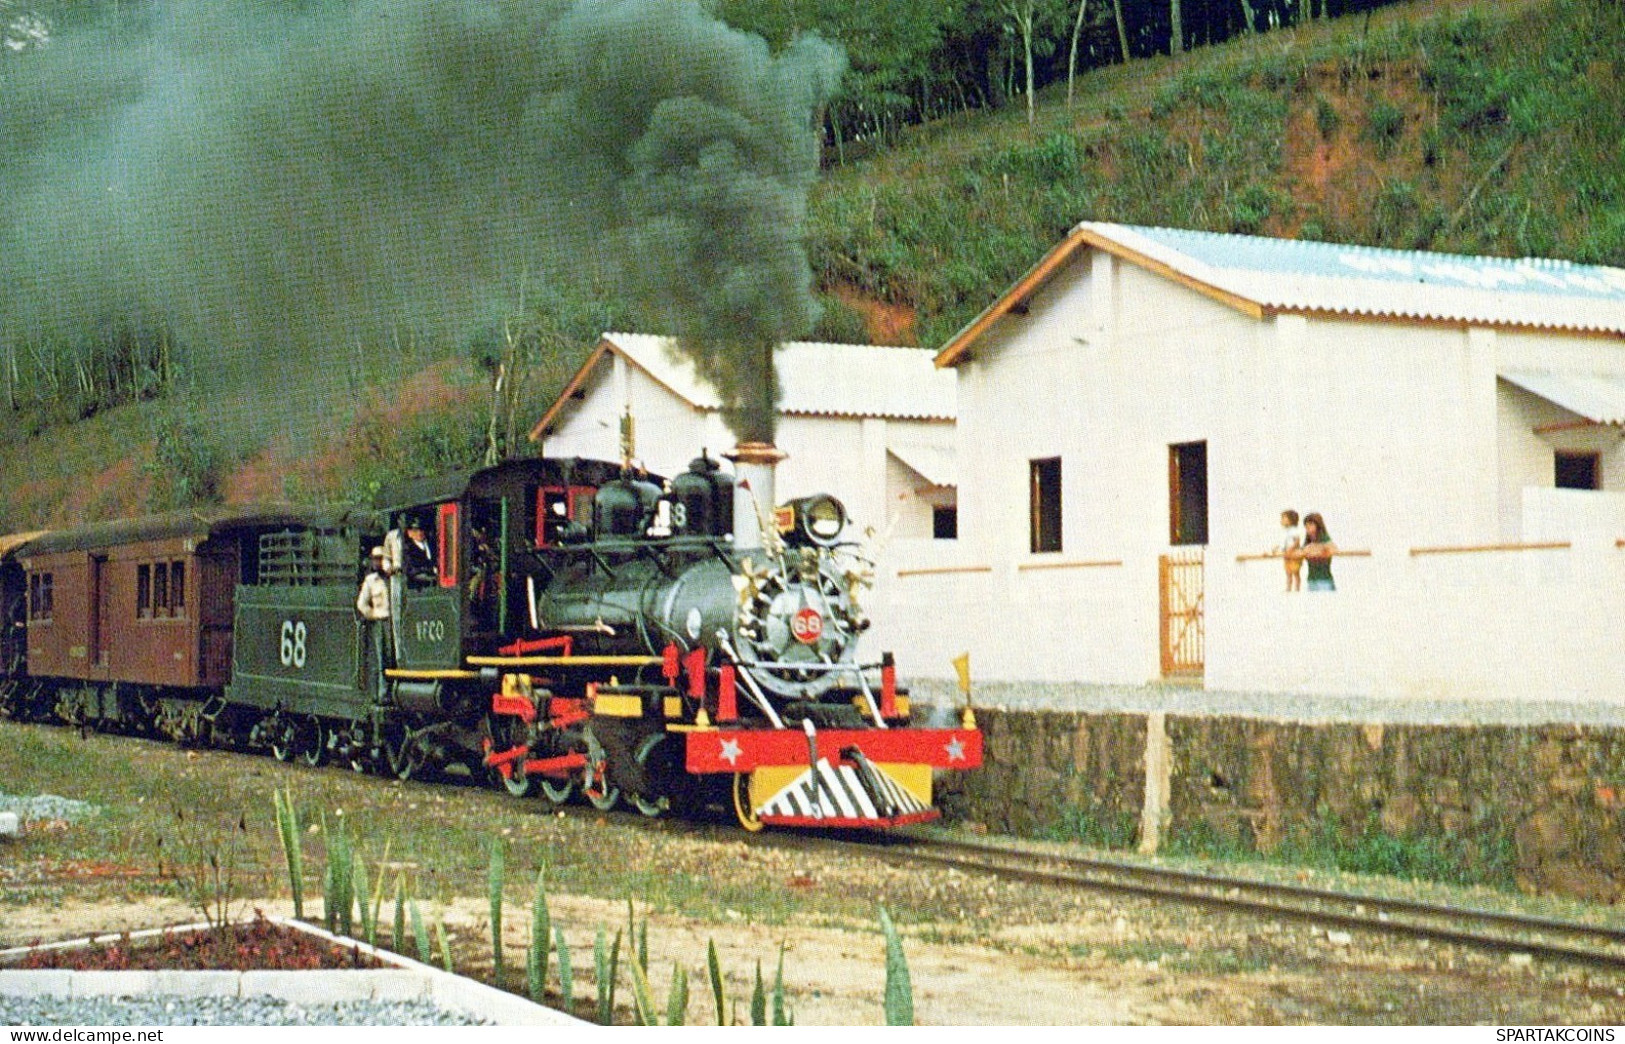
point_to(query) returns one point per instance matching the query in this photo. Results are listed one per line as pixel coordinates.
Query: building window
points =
(945, 523)
(177, 588)
(1578, 471)
(143, 591)
(1044, 497)
(1187, 493)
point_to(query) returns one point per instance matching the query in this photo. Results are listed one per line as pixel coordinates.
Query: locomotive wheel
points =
(744, 811)
(284, 741)
(312, 742)
(558, 791)
(506, 734)
(516, 782)
(405, 758)
(654, 758)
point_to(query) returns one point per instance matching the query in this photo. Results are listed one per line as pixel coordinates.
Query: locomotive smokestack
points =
(754, 493)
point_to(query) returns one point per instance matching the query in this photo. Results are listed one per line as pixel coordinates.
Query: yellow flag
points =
(962, 668)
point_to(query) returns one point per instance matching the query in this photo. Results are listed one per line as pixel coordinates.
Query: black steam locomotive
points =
(578, 628)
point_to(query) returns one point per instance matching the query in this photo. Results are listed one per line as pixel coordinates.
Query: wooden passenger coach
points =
(140, 603)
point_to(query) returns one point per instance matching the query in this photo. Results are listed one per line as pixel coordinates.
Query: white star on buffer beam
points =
(730, 752)
(955, 749)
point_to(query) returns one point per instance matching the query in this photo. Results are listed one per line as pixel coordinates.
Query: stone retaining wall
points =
(1543, 807)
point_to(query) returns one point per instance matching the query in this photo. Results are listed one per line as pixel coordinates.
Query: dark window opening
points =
(1044, 492)
(143, 591)
(1187, 493)
(40, 596)
(177, 587)
(160, 591)
(945, 523)
(1578, 471)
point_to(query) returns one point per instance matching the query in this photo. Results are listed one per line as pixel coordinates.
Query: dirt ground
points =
(835, 975)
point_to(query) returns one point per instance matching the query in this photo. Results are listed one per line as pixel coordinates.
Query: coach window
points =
(1044, 496)
(143, 591)
(39, 596)
(160, 591)
(177, 588)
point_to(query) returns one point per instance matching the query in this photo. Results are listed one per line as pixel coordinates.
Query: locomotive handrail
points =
(773, 665)
(564, 661)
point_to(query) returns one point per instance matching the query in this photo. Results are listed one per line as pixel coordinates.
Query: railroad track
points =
(1490, 930)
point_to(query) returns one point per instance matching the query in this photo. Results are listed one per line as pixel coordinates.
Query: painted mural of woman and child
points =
(1306, 543)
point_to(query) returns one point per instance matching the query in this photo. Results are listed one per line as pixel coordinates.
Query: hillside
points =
(1471, 127)
(1476, 126)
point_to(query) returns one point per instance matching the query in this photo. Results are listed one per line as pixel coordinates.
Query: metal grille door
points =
(1182, 632)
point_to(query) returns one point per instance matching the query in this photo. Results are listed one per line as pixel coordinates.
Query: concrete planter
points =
(403, 979)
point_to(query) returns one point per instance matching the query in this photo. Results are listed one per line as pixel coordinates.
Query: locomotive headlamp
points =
(817, 519)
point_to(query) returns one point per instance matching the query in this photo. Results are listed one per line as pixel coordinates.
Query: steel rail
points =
(1291, 902)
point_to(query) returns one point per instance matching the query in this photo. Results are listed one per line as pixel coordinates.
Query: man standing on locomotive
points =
(417, 560)
(373, 604)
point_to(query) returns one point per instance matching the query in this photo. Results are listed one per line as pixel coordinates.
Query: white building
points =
(1138, 409)
(874, 426)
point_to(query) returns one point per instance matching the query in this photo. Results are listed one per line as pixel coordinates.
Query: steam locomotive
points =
(581, 628)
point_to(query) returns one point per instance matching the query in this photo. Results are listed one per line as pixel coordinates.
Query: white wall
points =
(1534, 625)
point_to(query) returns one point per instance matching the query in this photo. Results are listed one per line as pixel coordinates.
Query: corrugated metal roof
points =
(817, 379)
(938, 465)
(1295, 275)
(1260, 276)
(1596, 397)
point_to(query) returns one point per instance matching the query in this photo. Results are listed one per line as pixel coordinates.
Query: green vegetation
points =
(1486, 856)
(899, 986)
(1460, 125)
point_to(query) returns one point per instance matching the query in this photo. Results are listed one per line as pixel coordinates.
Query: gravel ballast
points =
(221, 1011)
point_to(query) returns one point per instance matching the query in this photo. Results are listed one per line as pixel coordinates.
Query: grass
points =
(440, 834)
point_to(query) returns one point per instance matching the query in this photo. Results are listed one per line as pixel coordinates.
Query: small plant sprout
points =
(606, 969)
(713, 968)
(421, 937)
(369, 926)
(540, 939)
(445, 947)
(567, 982)
(287, 827)
(781, 1012)
(397, 938)
(643, 1005)
(677, 1000)
(899, 989)
(494, 882)
(758, 1000)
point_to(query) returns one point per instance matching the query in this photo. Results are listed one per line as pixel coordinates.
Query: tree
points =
(1021, 13)
(1122, 28)
(1176, 33)
(1247, 17)
(1072, 53)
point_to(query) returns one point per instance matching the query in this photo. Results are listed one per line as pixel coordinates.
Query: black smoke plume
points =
(273, 185)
